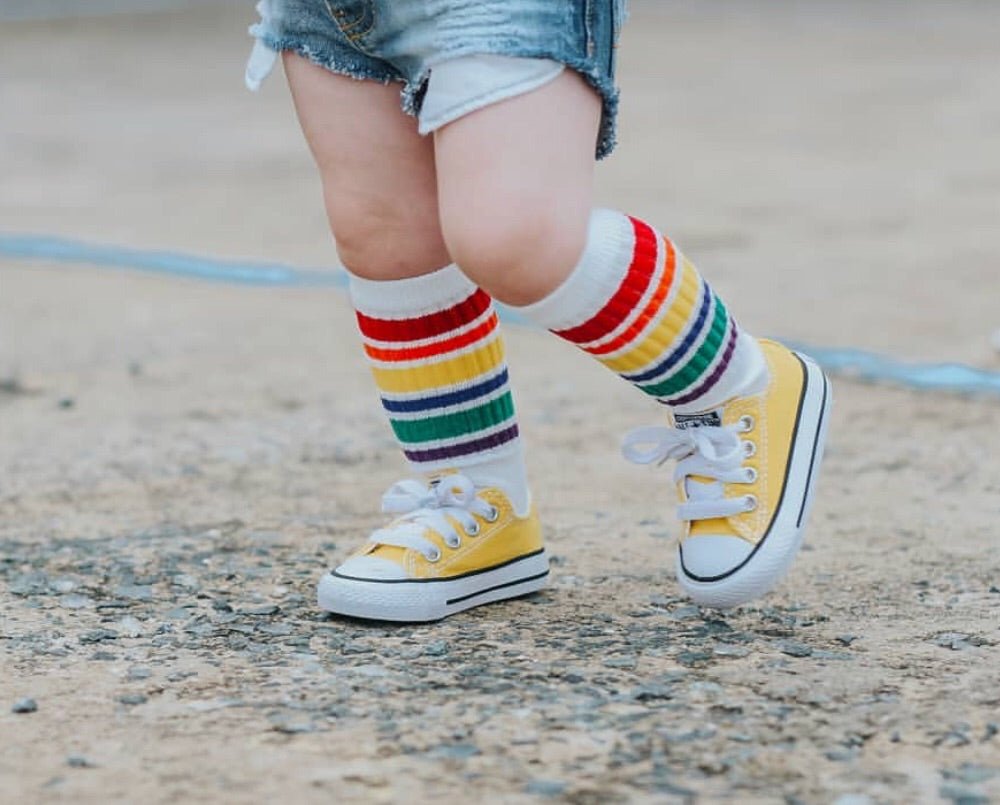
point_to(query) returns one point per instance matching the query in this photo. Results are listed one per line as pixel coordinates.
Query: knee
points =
(517, 251)
(381, 240)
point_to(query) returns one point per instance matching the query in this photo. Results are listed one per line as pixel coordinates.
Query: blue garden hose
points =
(855, 363)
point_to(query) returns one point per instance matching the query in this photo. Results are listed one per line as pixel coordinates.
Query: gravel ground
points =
(180, 461)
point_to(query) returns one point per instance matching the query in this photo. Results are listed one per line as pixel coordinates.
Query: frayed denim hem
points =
(330, 59)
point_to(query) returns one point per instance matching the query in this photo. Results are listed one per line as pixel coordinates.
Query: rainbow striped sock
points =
(437, 355)
(636, 304)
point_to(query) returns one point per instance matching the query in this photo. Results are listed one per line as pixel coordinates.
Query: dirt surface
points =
(180, 461)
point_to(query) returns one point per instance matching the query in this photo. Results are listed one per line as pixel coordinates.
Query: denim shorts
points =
(402, 40)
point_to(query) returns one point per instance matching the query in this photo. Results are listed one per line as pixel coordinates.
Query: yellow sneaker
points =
(745, 475)
(453, 547)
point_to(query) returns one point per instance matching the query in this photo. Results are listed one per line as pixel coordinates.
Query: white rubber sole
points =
(773, 556)
(423, 600)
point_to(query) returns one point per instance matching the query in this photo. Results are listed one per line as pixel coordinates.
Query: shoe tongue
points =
(706, 419)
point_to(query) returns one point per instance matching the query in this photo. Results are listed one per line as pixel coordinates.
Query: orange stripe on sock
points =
(650, 310)
(437, 349)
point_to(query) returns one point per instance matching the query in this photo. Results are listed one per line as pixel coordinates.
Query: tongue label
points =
(712, 419)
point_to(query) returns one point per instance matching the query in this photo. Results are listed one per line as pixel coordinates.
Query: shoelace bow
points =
(424, 507)
(715, 452)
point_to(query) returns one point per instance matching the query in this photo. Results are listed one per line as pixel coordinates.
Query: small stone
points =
(840, 755)
(627, 663)
(133, 699)
(794, 649)
(137, 673)
(726, 650)
(970, 773)
(692, 658)
(263, 609)
(75, 601)
(648, 693)
(134, 592)
(454, 751)
(66, 402)
(80, 762)
(436, 649)
(24, 706)
(63, 585)
(130, 626)
(846, 639)
(545, 788)
(98, 636)
(962, 796)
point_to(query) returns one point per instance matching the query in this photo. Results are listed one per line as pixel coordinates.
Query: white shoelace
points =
(710, 451)
(426, 507)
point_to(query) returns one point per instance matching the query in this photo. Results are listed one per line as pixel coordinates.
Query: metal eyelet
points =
(453, 543)
(750, 501)
(433, 556)
(493, 515)
(746, 423)
(751, 475)
(749, 449)
(472, 530)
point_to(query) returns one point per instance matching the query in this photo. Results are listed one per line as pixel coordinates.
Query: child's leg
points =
(433, 341)
(378, 174)
(514, 182)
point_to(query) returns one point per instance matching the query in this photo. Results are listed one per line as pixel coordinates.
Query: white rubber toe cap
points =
(708, 558)
(371, 567)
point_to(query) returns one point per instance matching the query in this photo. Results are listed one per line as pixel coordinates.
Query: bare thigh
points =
(378, 174)
(515, 183)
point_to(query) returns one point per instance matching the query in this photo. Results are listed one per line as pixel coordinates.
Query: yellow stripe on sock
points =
(463, 369)
(666, 331)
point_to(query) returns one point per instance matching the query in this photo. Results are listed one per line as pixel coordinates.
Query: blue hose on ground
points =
(854, 363)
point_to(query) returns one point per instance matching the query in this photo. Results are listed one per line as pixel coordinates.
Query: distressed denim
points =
(402, 40)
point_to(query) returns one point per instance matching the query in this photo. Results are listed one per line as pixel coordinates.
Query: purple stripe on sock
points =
(464, 448)
(715, 376)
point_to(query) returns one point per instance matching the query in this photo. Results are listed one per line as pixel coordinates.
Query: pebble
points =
(262, 609)
(130, 626)
(454, 751)
(75, 601)
(133, 699)
(794, 649)
(80, 762)
(545, 788)
(439, 648)
(24, 706)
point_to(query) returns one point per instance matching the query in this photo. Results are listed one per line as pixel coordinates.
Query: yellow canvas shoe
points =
(453, 547)
(745, 475)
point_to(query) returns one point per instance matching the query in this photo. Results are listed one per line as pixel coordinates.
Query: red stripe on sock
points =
(624, 300)
(429, 326)
(650, 310)
(477, 333)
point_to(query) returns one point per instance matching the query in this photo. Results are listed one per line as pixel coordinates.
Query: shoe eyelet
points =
(751, 475)
(747, 422)
(472, 530)
(433, 556)
(454, 543)
(749, 449)
(750, 501)
(493, 515)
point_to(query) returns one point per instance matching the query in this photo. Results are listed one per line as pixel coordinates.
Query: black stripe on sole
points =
(441, 578)
(459, 600)
(812, 459)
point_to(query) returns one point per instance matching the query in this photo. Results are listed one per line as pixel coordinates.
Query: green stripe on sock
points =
(699, 362)
(460, 423)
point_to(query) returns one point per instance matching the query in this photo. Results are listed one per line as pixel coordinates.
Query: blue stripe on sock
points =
(681, 350)
(450, 398)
